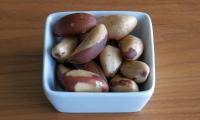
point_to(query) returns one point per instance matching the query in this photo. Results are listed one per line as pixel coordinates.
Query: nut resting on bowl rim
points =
(110, 102)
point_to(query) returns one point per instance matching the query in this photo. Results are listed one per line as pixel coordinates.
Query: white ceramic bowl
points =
(75, 102)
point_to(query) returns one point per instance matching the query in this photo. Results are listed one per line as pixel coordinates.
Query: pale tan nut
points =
(136, 70)
(131, 47)
(111, 60)
(91, 46)
(84, 81)
(74, 24)
(64, 48)
(61, 70)
(118, 26)
(92, 67)
(122, 84)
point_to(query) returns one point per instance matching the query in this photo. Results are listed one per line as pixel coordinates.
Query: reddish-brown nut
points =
(64, 49)
(84, 81)
(91, 46)
(131, 47)
(111, 60)
(60, 72)
(122, 84)
(118, 26)
(92, 67)
(136, 70)
(74, 24)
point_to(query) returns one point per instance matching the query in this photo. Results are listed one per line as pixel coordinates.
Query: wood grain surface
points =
(177, 40)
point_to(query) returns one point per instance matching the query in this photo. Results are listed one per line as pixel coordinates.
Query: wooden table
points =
(177, 40)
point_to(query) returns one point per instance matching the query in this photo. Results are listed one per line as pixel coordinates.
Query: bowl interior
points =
(143, 30)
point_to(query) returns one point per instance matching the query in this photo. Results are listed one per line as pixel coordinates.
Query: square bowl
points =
(76, 102)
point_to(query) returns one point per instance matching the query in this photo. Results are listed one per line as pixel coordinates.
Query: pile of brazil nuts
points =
(98, 54)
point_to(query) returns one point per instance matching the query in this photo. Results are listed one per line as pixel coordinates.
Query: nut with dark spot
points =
(143, 73)
(122, 84)
(130, 54)
(131, 47)
(64, 48)
(136, 70)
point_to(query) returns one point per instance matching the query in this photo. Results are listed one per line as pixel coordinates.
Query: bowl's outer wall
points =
(99, 102)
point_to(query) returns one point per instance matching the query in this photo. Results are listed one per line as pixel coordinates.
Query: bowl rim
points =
(46, 86)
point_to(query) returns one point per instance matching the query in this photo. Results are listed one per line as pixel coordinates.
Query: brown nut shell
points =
(131, 47)
(84, 81)
(91, 46)
(64, 48)
(74, 24)
(122, 84)
(111, 60)
(92, 67)
(136, 70)
(60, 72)
(118, 26)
